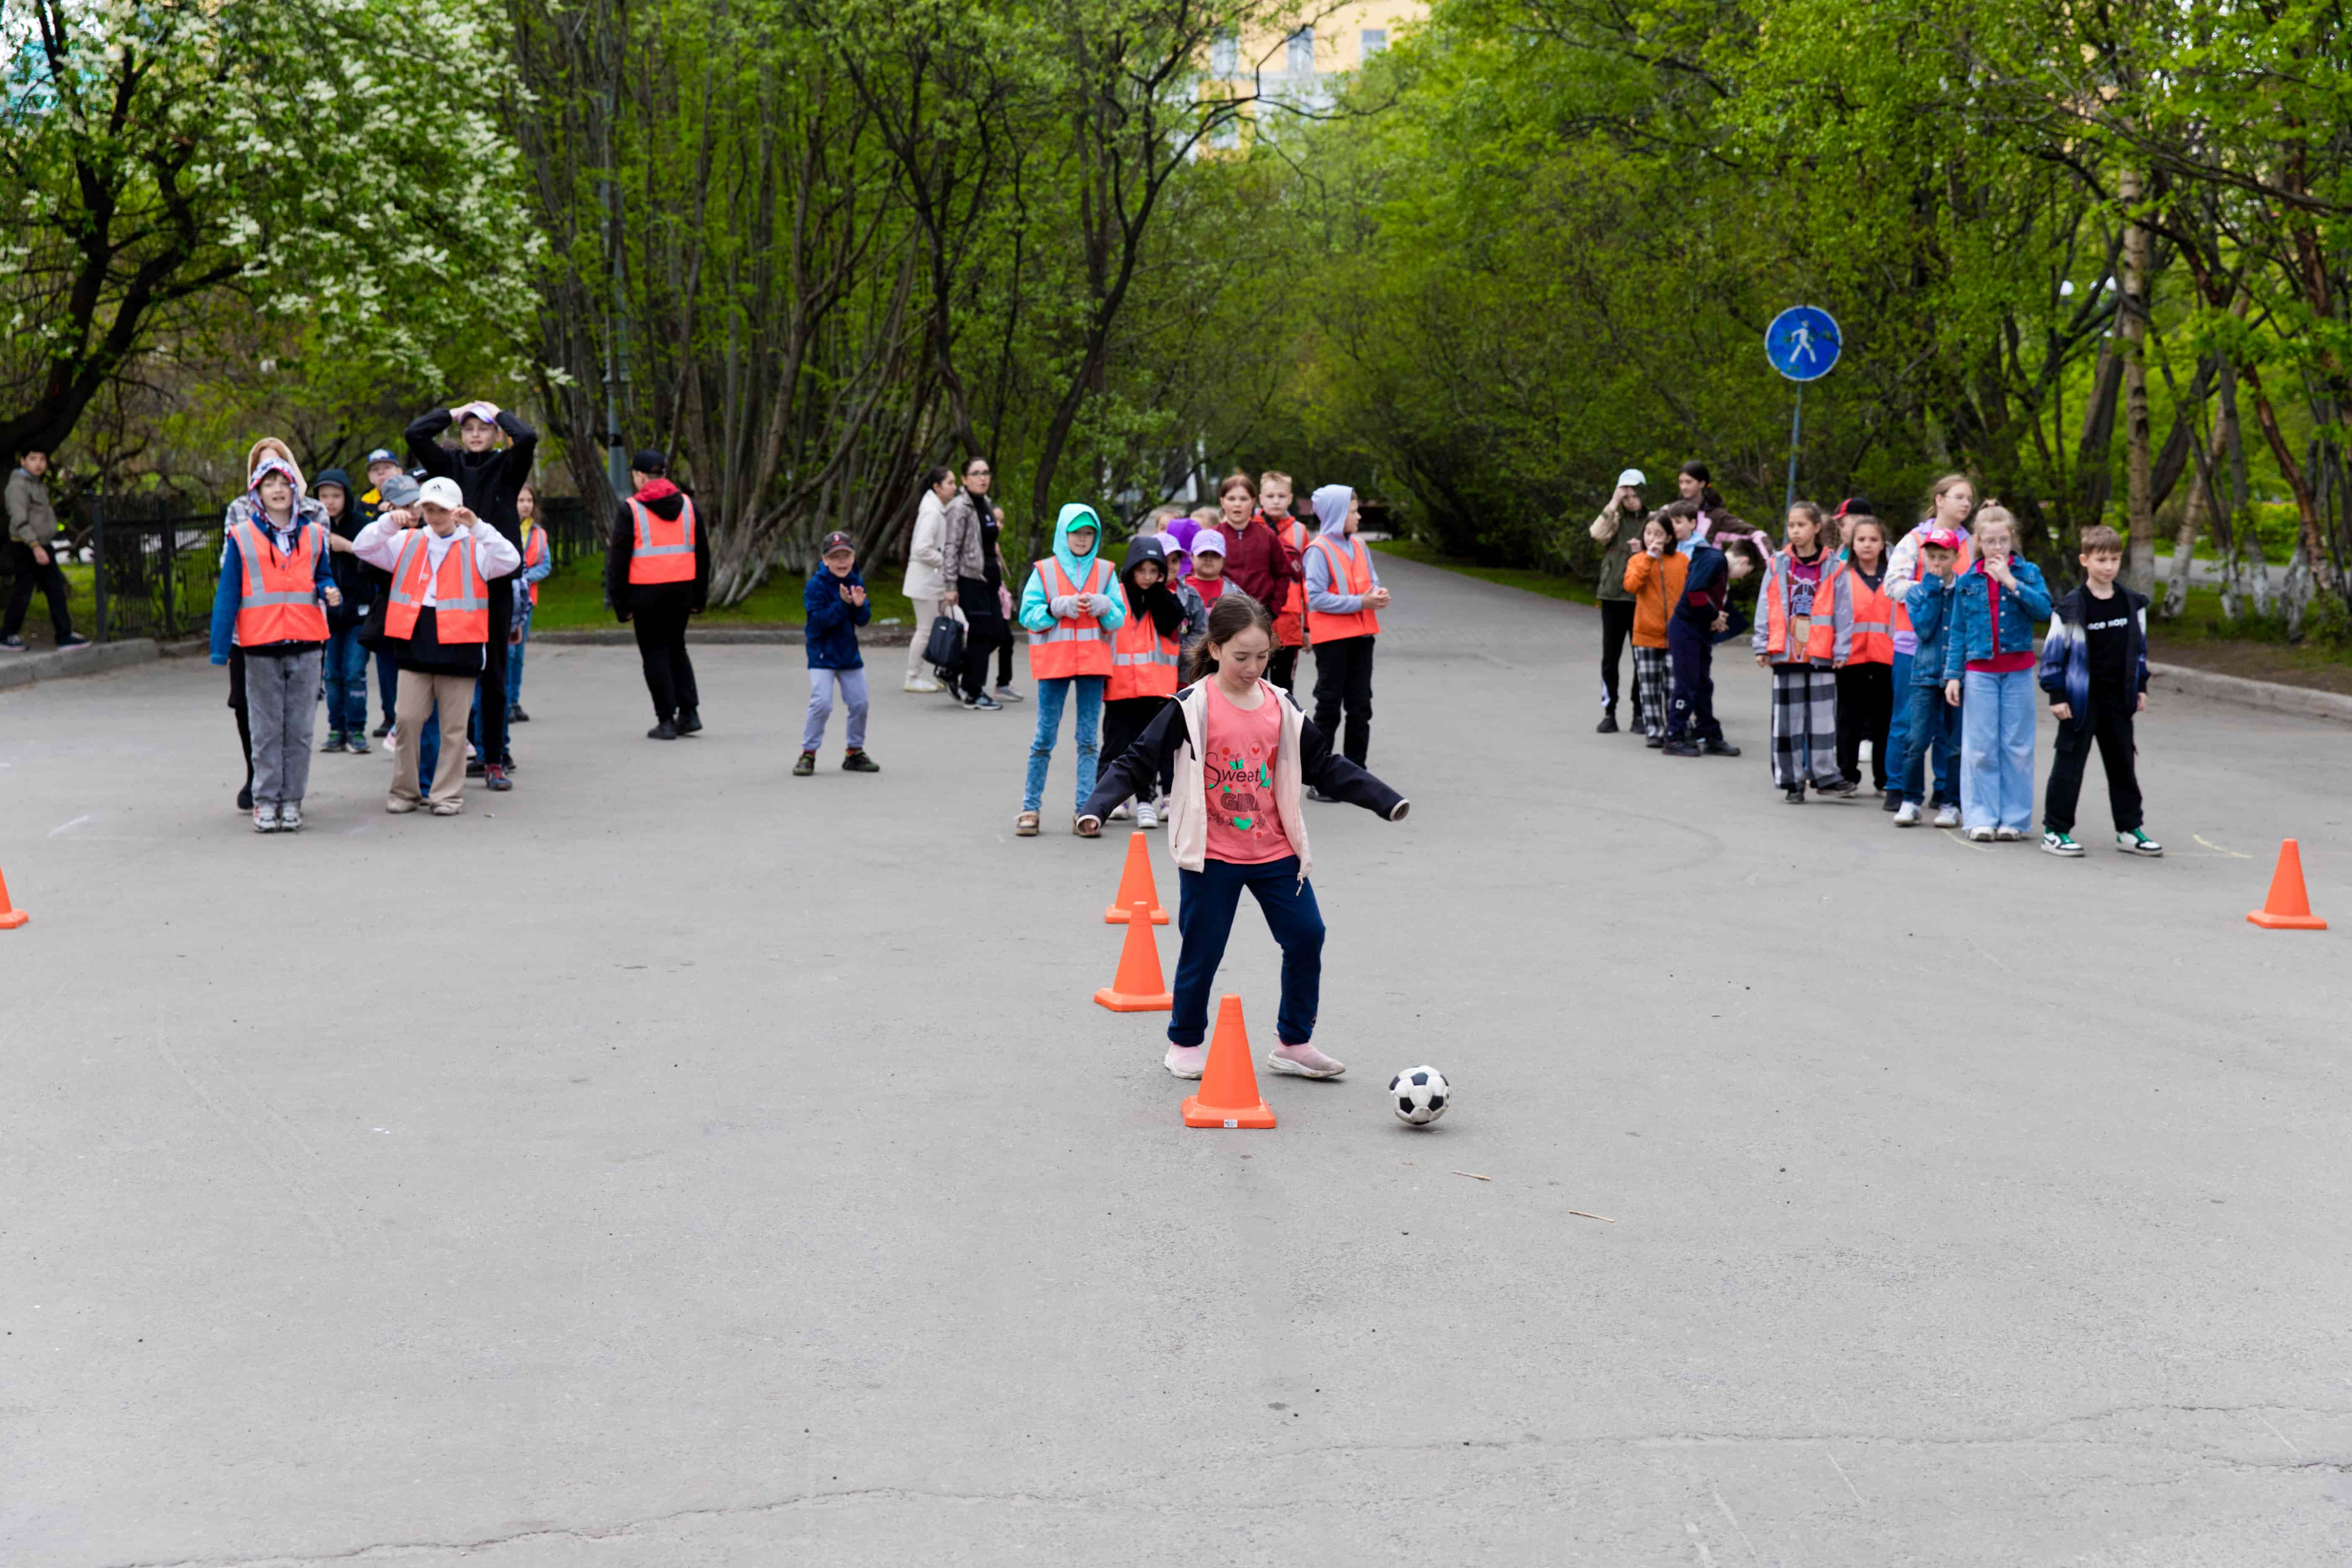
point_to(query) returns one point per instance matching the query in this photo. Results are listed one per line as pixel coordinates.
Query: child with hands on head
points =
(1244, 754)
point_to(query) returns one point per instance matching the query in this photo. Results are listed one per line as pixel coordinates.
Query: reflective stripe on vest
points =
(277, 596)
(1077, 645)
(1142, 662)
(461, 612)
(1869, 625)
(663, 552)
(1355, 569)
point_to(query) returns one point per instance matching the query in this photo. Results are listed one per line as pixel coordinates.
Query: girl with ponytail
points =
(1243, 755)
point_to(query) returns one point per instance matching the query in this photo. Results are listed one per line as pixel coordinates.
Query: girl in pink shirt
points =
(1243, 753)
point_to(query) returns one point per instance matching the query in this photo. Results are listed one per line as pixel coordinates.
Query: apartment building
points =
(1300, 69)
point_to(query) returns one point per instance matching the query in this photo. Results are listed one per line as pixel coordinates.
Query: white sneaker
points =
(290, 817)
(1186, 1061)
(921, 683)
(1146, 817)
(1979, 835)
(1119, 812)
(2006, 834)
(1303, 1062)
(264, 817)
(1948, 816)
(1908, 814)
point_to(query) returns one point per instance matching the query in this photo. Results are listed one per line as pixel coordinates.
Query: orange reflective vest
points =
(1078, 644)
(1919, 572)
(534, 551)
(664, 551)
(461, 612)
(1863, 621)
(1290, 620)
(1142, 662)
(1355, 569)
(277, 597)
(1812, 634)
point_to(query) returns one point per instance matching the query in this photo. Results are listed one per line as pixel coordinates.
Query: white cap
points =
(441, 491)
(1208, 542)
(1632, 476)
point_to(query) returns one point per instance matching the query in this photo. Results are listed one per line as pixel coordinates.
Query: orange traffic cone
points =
(2289, 906)
(1139, 988)
(10, 916)
(1228, 1096)
(1134, 882)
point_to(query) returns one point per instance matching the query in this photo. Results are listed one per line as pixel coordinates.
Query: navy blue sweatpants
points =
(1204, 917)
(1690, 714)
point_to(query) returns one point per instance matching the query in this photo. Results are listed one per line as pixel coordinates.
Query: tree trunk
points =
(2139, 558)
(2192, 523)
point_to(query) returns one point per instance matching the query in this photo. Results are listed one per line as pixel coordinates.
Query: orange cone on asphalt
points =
(1139, 988)
(10, 916)
(2289, 906)
(1134, 882)
(1228, 1095)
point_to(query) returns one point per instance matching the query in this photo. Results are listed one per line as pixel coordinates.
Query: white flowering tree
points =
(336, 162)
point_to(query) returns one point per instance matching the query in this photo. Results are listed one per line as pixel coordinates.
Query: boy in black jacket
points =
(2095, 667)
(1703, 610)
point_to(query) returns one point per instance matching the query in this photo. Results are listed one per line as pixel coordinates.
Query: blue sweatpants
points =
(1206, 900)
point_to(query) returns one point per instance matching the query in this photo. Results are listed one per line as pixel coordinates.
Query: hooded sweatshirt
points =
(1036, 602)
(267, 456)
(1325, 596)
(1167, 612)
(665, 501)
(353, 575)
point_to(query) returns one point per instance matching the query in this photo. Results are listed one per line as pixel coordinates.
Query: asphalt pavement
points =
(675, 1163)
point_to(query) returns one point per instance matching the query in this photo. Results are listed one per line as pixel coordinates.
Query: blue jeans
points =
(514, 655)
(1997, 749)
(387, 684)
(1204, 916)
(1923, 720)
(346, 667)
(1051, 694)
(1898, 728)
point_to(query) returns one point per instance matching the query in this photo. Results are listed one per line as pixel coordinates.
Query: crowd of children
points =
(1926, 651)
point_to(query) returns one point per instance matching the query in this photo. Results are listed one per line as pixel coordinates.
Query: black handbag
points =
(944, 650)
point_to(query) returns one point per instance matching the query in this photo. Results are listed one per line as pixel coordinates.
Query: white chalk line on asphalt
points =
(65, 827)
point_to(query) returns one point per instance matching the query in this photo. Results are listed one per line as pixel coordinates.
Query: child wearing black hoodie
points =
(1144, 654)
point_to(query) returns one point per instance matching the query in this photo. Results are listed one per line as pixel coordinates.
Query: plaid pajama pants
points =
(1651, 670)
(1804, 727)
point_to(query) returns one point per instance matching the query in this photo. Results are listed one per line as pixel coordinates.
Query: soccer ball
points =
(1421, 1095)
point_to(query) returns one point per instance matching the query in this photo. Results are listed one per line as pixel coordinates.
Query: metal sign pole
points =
(1796, 430)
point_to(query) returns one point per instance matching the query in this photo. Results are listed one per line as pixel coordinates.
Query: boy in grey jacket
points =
(32, 530)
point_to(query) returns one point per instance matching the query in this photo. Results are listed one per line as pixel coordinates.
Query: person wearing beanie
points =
(490, 476)
(1344, 598)
(657, 574)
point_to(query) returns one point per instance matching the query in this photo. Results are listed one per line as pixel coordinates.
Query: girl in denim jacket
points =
(1989, 657)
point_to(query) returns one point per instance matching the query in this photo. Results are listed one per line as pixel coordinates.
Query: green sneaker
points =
(805, 766)
(2056, 843)
(2137, 843)
(859, 763)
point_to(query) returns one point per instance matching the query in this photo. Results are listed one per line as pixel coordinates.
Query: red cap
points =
(1942, 538)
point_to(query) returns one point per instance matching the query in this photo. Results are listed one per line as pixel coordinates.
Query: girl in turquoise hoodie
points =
(1070, 612)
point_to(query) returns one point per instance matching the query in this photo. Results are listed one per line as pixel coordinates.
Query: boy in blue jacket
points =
(1929, 719)
(836, 602)
(2095, 668)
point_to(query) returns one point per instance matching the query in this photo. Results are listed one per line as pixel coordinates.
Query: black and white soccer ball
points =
(1420, 1095)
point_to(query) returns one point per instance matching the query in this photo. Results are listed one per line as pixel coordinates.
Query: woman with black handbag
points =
(965, 557)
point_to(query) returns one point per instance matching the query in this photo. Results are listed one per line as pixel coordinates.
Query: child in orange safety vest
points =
(1274, 495)
(1072, 616)
(1862, 647)
(1792, 639)
(1344, 599)
(271, 608)
(1143, 660)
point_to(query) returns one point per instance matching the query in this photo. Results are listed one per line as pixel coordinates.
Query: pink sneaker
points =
(1303, 1062)
(1186, 1061)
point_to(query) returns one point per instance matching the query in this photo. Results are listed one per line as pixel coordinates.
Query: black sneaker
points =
(1795, 796)
(1893, 802)
(1679, 749)
(515, 715)
(859, 763)
(689, 720)
(664, 730)
(805, 766)
(474, 768)
(16, 644)
(983, 703)
(381, 730)
(1721, 749)
(1843, 788)
(1608, 725)
(1655, 742)
(72, 639)
(245, 798)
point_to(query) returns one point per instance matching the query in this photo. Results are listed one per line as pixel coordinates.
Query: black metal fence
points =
(154, 565)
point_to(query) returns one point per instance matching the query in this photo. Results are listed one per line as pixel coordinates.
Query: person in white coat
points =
(926, 584)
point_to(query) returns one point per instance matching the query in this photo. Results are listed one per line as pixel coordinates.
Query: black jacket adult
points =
(665, 501)
(490, 480)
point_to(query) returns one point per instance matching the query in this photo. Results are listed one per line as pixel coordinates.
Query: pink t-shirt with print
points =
(1237, 778)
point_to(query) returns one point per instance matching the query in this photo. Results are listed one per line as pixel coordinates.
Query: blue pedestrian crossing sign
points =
(1802, 343)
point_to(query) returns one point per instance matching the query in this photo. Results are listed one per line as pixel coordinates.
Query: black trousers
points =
(1283, 668)
(2111, 726)
(1866, 709)
(243, 717)
(661, 645)
(1343, 678)
(1690, 713)
(1123, 721)
(30, 575)
(492, 688)
(1616, 627)
(1004, 649)
(985, 633)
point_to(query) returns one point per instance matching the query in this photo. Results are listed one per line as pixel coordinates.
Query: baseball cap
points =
(1208, 542)
(1855, 506)
(835, 540)
(649, 462)
(482, 408)
(1632, 476)
(1942, 539)
(439, 490)
(381, 455)
(401, 489)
